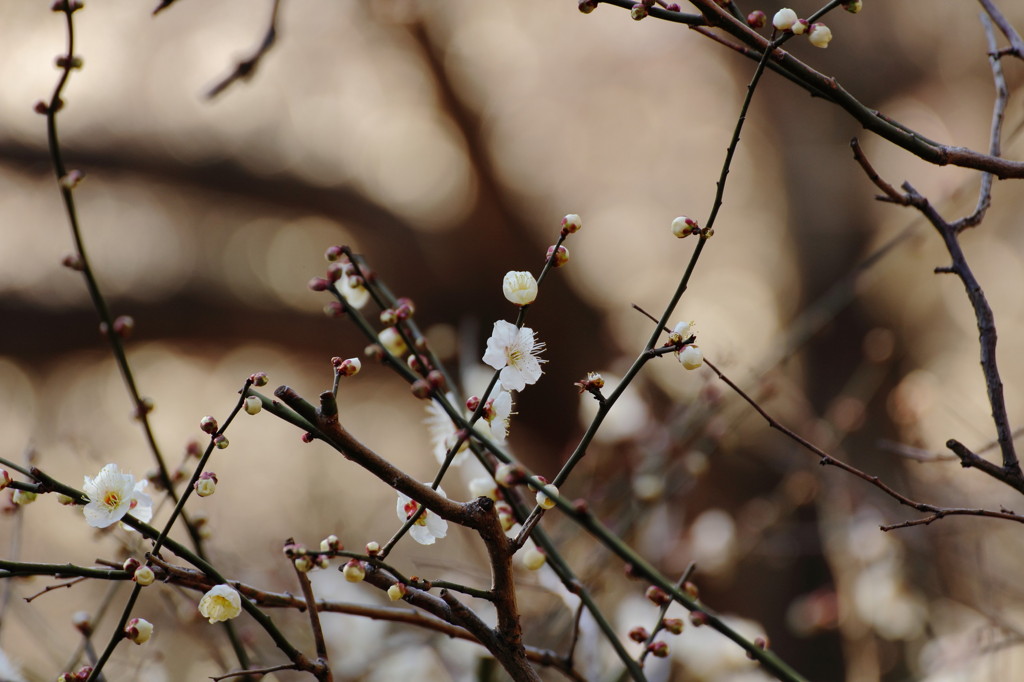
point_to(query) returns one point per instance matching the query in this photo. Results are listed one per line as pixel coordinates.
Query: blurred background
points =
(444, 141)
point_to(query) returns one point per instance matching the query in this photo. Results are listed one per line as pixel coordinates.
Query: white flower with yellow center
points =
(222, 602)
(112, 495)
(428, 527)
(514, 351)
(519, 287)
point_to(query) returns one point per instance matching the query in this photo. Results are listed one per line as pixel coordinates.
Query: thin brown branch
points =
(1016, 42)
(245, 68)
(826, 459)
(889, 192)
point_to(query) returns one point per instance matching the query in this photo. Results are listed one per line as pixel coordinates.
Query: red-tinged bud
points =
(657, 596)
(691, 590)
(587, 6)
(131, 565)
(639, 634)
(420, 388)
(698, 618)
(557, 256)
(333, 253)
(335, 271)
(472, 403)
(436, 379)
(673, 625)
(319, 284)
(638, 12)
(124, 326)
(73, 261)
(259, 379)
(757, 19)
(334, 309)
(388, 318)
(658, 649)
(308, 438)
(208, 425)
(405, 308)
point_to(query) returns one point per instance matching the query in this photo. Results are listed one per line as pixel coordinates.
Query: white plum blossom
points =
(428, 527)
(691, 357)
(514, 351)
(443, 432)
(519, 287)
(222, 602)
(112, 495)
(820, 35)
(353, 291)
(784, 19)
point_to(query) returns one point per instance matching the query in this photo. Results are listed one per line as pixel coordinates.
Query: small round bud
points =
(71, 180)
(698, 618)
(259, 379)
(354, 571)
(144, 576)
(472, 403)
(131, 564)
(253, 404)
(220, 441)
(333, 254)
(209, 425)
(508, 475)
(534, 558)
(684, 227)
(388, 317)
(308, 438)
(393, 342)
(73, 261)
(784, 19)
(420, 388)
(372, 548)
(5, 478)
(691, 357)
(519, 287)
(82, 621)
(206, 485)
(349, 367)
(587, 6)
(800, 27)
(673, 625)
(322, 561)
(23, 497)
(483, 487)
(330, 544)
(657, 596)
(571, 223)
(853, 6)
(138, 630)
(820, 35)
(757, 19)
(319, 284)
(436, 380)
(334, 309)
(691, 590)
(761, 643)
(303, 564)
(557, 256)
(292, 549)
(672, 7)
(405, 309)
(396, 591)
(638, 12)
(639, 634)
(658, 649)
(543, 498)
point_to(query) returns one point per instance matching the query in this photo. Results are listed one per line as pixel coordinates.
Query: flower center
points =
(111, 499)
(411, 507)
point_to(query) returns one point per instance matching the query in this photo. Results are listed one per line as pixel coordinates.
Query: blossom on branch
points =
(222, 602)
(428, 526)
(497, 413)
(443, 432)
(514, 351)
(519, 287)
(112, 495)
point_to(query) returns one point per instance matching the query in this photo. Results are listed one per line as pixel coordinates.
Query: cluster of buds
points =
(818, 34)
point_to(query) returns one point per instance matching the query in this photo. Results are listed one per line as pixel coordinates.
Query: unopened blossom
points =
(222, 602)
(443, 432)
(514, 351)
(352, 290)
(800, 27)
(144, 576)
(691, 357)
(820, 35)
(498, 413)
(684, 227)
(354, 571)
(428, 526)
(519, 287)
(784, 19)
(543, 498)
(393, 342)
(483, 487)
(138, 630)
(533, 558)
(253, 404)
(23, 497)
(112, 495)
(571, 222)
(206, 485)
(396, 591)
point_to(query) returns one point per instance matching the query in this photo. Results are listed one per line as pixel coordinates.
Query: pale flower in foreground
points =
(428, 527)
(784, 19)
(519, 287)
(221, 603)
(691, 357)
(443, 432)
(514, 351)
(112, 495)
(352, 290)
